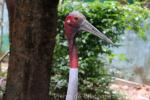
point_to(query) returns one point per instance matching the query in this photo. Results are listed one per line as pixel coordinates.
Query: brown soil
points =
(131, 90)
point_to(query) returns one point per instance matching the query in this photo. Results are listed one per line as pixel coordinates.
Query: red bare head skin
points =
(71, 26)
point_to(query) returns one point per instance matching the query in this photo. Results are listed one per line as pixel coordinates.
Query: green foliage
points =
(111, 19)
(121, 57)
(134, 17)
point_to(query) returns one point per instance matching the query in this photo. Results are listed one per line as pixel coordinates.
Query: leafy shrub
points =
(109, 18)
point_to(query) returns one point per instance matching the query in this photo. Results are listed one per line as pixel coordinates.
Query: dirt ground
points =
(131, 90)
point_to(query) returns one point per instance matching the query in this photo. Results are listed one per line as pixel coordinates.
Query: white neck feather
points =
(72, 91)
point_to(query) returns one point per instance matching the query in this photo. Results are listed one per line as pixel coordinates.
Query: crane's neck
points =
(72, 90)
(73, 54)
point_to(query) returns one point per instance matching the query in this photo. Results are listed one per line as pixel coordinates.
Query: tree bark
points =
(32, 39)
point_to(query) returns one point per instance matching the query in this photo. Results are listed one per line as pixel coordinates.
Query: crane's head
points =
(76, 21)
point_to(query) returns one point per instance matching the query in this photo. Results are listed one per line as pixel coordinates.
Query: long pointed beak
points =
(88, 27)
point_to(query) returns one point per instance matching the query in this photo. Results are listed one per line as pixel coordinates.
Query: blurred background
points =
(127, 22)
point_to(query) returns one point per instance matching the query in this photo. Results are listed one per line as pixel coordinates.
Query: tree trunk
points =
(32, 40)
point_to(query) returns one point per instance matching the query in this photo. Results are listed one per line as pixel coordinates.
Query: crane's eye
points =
(76, 18)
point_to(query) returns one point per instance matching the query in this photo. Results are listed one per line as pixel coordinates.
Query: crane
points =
(75, 22)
